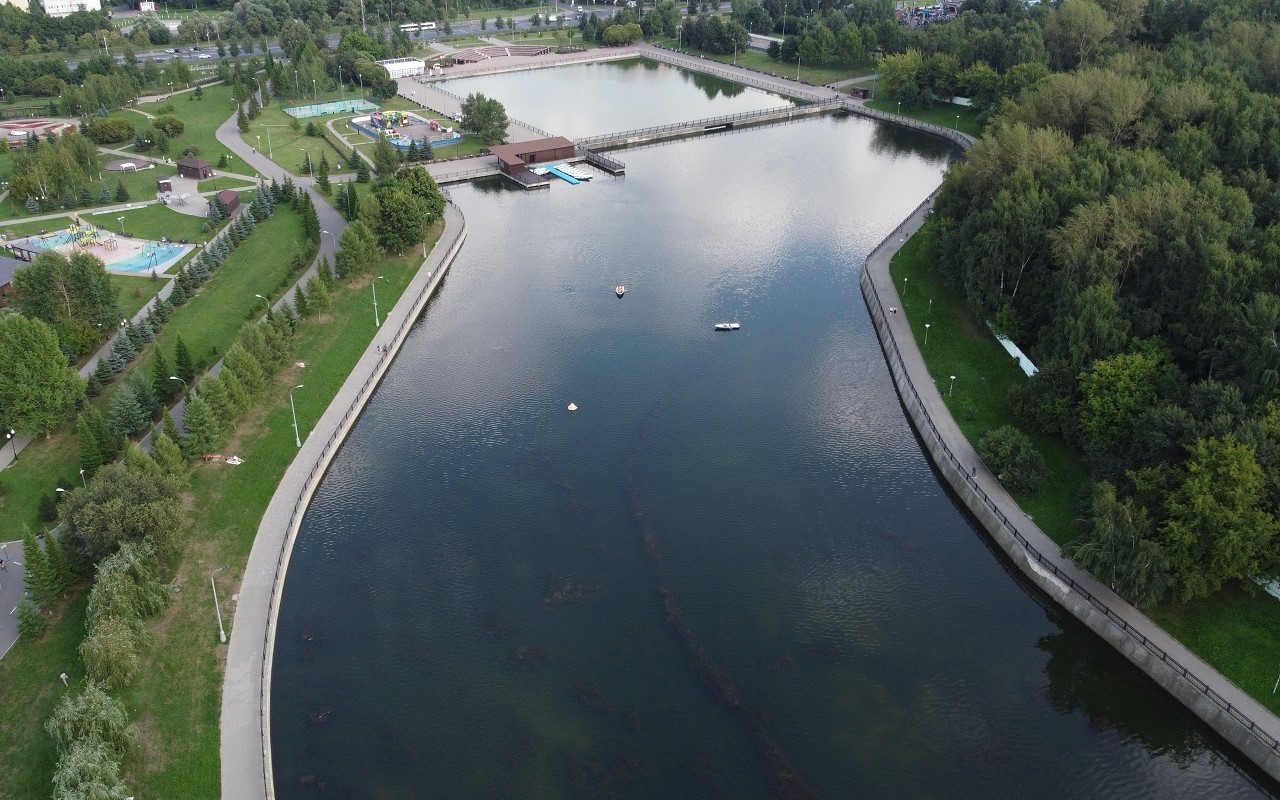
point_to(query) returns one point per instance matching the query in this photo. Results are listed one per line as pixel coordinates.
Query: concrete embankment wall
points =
(1236, 717)
(246, 698)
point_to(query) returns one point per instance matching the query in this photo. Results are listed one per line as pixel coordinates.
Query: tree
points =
(126, 415)
(1116, 545)
(205, 431)
(168, 456)
(37, 389)
(485, 117)
(122, 194)
(404, 220)
(1076, 33)
(88, 769)
(40, 583)
(123, 505)
(1219, 528)
(110, 652)
(74, 295)
(242, 119)
(322, 175)
(183, 365)
(385, 159)
(1115, 393)
(162, 384)
(362, 170)
(358, 250)
(91, 715)
(1008, 453)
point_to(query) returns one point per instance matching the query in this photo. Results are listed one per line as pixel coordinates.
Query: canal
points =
(731, 573)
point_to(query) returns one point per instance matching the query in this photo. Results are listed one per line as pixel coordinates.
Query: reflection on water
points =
(731, 573)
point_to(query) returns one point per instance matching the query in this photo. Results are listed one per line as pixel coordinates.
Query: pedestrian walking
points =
(64, 677)
(974, 473)
(3, 567)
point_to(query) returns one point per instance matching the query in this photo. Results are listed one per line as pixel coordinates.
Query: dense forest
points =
(1120, 219)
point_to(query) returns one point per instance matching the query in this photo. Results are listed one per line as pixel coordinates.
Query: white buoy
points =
(573, 406)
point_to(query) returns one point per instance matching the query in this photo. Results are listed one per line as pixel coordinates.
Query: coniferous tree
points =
(60, 575)
(204, 429)
(161, 384)
(300, 303)
(183, 365)
(104, 194)
(122, 194)
(168, 456)
(89, 446)
(43, 589)
(170, 428)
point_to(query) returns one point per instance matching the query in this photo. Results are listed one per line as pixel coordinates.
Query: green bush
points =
(1009, 454)
(109, 131)
(172, 126)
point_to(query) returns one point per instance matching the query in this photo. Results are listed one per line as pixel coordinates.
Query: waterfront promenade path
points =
(1237, 716)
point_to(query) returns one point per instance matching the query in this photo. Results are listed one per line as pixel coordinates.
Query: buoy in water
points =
(573, 406)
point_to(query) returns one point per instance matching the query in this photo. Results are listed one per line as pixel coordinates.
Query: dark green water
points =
(731, 573)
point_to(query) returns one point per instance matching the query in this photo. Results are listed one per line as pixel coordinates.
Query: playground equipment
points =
(83, 236)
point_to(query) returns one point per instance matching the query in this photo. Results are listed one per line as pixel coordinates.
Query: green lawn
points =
(959, 345)
(177, 698)
(43, 466)
(29, 689)
(202, 118)
(260, 265)
(1237, 633)
(152, 221)
(946, 115)
(134, 291)
(223, 182)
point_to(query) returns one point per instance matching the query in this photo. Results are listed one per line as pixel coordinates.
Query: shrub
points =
(172, 126)
(1009, 454)
(109, 131)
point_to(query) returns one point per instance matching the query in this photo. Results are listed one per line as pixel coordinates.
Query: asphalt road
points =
(12, 588)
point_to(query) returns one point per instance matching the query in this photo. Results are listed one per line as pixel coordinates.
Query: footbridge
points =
(678, 130)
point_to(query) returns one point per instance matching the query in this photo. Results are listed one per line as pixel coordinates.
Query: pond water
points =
(731, 573)
(610, 97)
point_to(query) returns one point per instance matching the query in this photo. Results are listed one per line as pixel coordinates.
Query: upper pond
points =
(731, 573)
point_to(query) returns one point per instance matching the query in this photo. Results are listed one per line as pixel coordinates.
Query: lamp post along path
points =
(222, 633)
(297, 435)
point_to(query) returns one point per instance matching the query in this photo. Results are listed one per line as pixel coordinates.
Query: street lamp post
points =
(271, 153)
(315, 94)
(222, 633)
(180, 380)
(259, 138)
(899, 108)
(926, 333)
(121, 221)
(13, 442)
(952, 390)
(334, 238)
(377, 323)
(957, 122)
(297, 89)
(82, 480)
(297, 436)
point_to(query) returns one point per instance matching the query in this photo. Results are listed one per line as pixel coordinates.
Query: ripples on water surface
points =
(472, 603)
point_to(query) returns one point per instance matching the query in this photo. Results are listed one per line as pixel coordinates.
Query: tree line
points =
(1120, 220)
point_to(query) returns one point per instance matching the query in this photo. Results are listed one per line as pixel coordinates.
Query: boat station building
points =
(514, 159)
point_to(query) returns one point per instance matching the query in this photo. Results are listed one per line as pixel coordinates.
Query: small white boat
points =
(620, 290)
(727, 326)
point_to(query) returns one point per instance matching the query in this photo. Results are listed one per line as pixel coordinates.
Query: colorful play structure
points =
(399, 127)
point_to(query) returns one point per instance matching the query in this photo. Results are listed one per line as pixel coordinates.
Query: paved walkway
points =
(12, 587)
